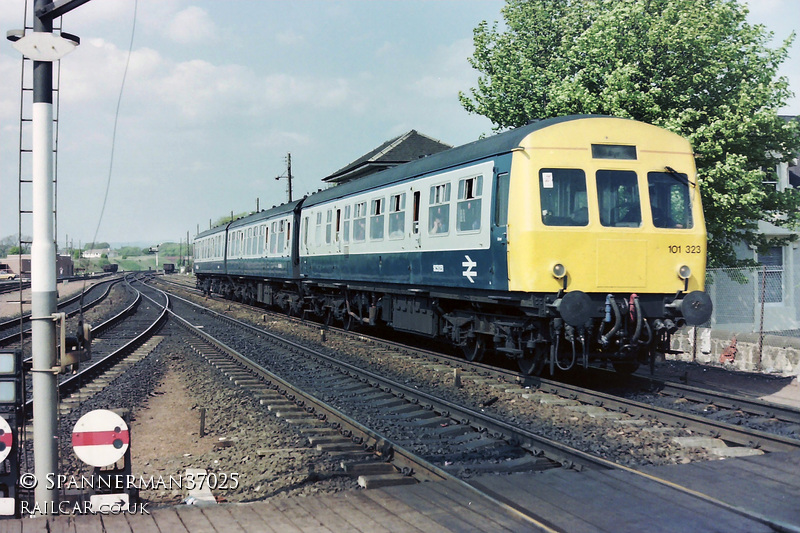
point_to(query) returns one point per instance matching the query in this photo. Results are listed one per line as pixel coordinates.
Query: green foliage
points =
(695, 67)
(96, 246)
(129, 250)
(224, 220)
(16, 250)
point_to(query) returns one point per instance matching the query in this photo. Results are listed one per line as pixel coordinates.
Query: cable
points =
(116, 120)
(113, 138)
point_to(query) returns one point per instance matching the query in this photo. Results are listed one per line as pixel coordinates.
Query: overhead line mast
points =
(288, 175)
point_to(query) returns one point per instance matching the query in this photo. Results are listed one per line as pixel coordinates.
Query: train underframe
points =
(540, 331)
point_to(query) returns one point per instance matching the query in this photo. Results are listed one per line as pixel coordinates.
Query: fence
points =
(755, 300)
(750, 306)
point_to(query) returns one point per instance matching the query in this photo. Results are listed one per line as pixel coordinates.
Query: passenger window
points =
(669, 200)
(273, 244)
(328, 226)
(376, 219)
(439, 210)
(397, 216)
(318, 230)
(346, 224)
(360, 222)
(563, 196)
(468, 209)
(618, 197)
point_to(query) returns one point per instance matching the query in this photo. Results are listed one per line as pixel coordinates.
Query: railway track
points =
(121, 335)
(119, 342)
(116, 341)
(739, 420)
(376, 460)
(11, 329)
(489, 438)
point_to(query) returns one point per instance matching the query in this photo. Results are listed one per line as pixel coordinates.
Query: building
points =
(402, 149)
(21, 265)
(95, 253)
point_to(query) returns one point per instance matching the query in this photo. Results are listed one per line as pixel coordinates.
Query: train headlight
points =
(684, 272)
(559, 271)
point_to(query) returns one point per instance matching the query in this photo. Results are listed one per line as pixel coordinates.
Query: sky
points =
(217, 93)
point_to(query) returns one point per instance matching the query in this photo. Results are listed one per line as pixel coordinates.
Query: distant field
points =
(142, 262)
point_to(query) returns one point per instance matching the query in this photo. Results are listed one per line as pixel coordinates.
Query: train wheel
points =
(475, 349)
(531, 364)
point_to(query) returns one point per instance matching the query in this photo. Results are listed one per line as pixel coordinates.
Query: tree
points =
(695, 67)
(228, 218)
(17, 250)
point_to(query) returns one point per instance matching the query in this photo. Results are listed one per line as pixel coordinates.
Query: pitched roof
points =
(402, 149)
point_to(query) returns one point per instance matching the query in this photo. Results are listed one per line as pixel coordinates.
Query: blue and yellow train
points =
(565, 241)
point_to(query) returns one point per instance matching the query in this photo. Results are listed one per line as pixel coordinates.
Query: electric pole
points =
(288, 175)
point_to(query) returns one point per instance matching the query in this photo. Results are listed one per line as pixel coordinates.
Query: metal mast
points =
(288, 175)
(43, 48)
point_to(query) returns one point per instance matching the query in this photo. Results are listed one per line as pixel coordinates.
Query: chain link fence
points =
(751, 306)
(754, 299)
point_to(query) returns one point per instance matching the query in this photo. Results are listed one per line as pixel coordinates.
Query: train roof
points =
(265, 214)
(461, 155)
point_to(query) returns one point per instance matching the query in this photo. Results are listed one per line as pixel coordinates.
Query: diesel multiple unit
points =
(564, 241)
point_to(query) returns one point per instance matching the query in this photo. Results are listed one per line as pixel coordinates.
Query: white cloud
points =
(192, 25)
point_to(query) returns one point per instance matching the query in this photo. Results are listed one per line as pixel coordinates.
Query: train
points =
(566, 242)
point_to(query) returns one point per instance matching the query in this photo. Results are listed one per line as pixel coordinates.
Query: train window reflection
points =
(669, 200)
(439, 210)
(346, 224)
(618, 196)
(376, 219)
(563, 196)
(360, 222)
(468, 213)
(397, 216)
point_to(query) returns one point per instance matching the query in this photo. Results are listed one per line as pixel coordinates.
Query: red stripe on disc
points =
(6, 438)
(98, 438)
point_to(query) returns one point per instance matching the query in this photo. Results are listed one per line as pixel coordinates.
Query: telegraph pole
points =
(288, 175)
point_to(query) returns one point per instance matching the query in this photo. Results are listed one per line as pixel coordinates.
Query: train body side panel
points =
(279, 268)
(474, 260)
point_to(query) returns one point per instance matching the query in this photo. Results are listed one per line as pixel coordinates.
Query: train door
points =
(415, 233)
(338, 230)
(500, 226)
